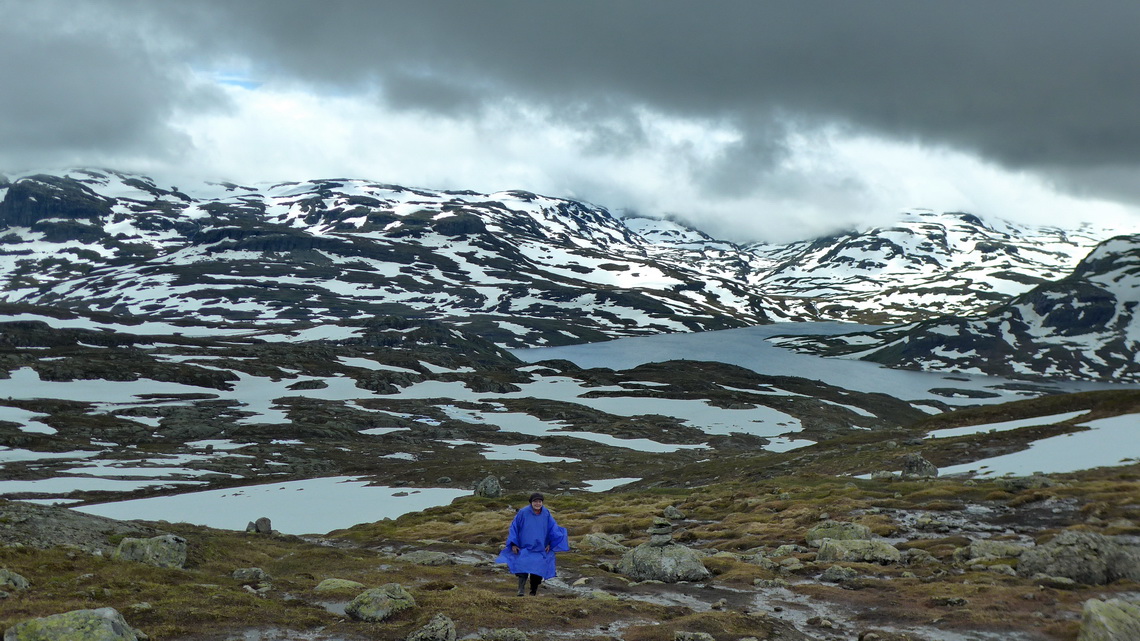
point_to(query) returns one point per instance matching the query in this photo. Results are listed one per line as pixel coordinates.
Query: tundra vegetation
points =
(751, 518)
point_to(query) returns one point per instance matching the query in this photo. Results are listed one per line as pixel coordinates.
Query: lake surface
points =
(749, 348)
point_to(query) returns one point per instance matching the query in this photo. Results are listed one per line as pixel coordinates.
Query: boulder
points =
(668, 563)
(1112, 620)
(166, 551)
(250, 575)
(104, 624)
(440, 628)
(681, 635)
(329, 585)
(1085, 557)
(9, 580)
(915, 466)
(489, 488)
(1018, 483)
(838, 574)
(990, 549)
(380, 603)
(673, 513)
(261, 526)
(600, 542)
(858, 551)
(426, 557)
(838, 530)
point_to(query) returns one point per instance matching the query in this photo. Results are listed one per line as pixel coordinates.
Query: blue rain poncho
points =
(533, 533)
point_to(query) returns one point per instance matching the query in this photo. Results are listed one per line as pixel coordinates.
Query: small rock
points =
(13, 581)
(915, 466)
(103, 624)
(426, 557)
(838, 530)
(250, 575)
(673, 513)
(838, 574)
(440, 628)
(380, 603)
(489, 488)
(261, 526)
(166, 551)
(329, 585)
(600, 542)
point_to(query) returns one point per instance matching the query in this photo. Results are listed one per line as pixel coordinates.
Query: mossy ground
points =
(203, 602)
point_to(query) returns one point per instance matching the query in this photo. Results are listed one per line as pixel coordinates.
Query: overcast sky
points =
(752, 120)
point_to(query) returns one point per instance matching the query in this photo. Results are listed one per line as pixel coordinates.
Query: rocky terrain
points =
(804, 556)
(161, 341)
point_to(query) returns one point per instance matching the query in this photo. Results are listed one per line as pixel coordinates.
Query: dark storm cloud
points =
(73, 85)
(1040, 84)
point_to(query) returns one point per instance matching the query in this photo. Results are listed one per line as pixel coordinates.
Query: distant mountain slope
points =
(926, 264)
(1083, 327)
(514, 267)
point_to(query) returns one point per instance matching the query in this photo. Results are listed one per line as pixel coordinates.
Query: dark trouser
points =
(534, 581)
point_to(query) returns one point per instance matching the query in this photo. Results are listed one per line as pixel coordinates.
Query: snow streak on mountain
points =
(1080, 327)
(514, 267)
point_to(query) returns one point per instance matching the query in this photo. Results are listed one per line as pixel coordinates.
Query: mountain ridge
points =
(519, 268)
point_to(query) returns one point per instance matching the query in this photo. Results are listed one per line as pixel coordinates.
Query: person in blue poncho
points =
(532, 540)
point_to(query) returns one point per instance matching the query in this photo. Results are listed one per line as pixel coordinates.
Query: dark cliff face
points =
(39, 197)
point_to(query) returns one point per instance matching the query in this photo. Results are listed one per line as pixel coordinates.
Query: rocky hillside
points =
(516, 268)
(1080, 327)
(769, 555)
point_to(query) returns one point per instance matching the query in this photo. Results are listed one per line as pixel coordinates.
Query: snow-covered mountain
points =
(1083, 326)
(515, 268)
(926, 264)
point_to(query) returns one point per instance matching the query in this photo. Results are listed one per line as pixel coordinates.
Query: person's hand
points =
(548, 548)
(515, 549)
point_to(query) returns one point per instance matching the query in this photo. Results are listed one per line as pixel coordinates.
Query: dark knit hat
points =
(537, 496)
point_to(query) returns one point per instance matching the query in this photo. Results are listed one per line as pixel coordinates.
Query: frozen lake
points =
(749, 348)
(322, 505)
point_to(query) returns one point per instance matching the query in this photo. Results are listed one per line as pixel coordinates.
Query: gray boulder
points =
(440, 628)
(250, 575)
(915, 466)
(668, 563)
(261, 526)
(9, 580)
(330, 585)
(990, 549)
(166, 551)
(1085, 557)
(426, 557)
(1112, 620)
(673, 513)
(104, 624)
(1018, 483)
(838, 530)
(599, 542)
(839, 574)
(858, 551)
(380, 603)
(489, 488)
